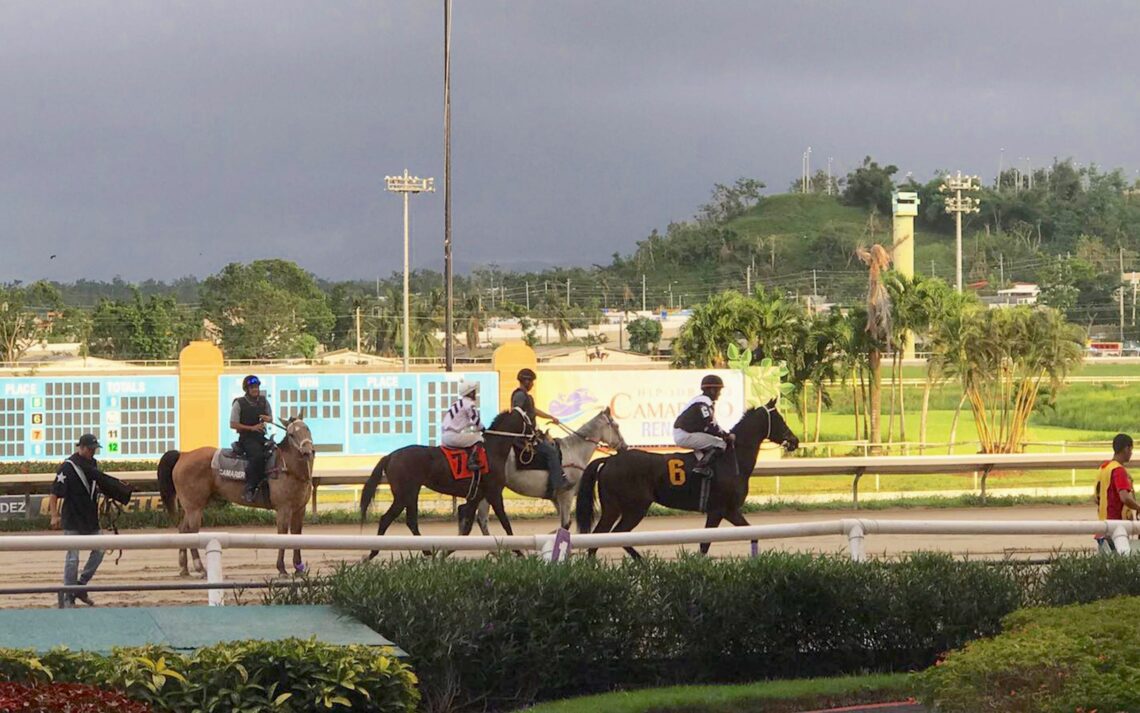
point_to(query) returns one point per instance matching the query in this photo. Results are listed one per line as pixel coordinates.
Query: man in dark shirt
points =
(522, 399)
(75, 483)
(248, 416)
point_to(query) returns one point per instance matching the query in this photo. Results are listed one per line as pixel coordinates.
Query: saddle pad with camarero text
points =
(230, 466)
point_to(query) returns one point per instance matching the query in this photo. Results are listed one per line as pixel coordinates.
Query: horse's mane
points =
(497, 422)
(747, 413)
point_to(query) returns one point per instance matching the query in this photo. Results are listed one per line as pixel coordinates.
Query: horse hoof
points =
(185, 574)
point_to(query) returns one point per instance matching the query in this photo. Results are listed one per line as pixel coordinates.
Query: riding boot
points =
(703, 466)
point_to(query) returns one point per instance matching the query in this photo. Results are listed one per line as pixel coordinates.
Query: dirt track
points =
(31, 568)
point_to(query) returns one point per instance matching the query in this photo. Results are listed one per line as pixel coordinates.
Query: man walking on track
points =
(1114, 488)
(76, 484)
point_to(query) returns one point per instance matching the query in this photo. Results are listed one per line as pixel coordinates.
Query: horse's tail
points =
(166, 481)
(584, 511)
(369, 490)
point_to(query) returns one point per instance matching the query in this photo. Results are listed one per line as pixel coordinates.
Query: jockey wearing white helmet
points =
(461, 425)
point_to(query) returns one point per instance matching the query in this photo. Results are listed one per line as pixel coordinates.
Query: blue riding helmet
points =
(249, 381)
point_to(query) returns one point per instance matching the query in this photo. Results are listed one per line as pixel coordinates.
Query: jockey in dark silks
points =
(697, 428)
(521, 399)
(248, 417)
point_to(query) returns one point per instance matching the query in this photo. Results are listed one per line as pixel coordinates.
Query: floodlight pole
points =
(958, 205)
(408, 184)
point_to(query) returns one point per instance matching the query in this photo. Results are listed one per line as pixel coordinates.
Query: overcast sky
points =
(159, 139)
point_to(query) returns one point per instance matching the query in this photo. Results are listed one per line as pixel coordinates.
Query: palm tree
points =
(557, 315)
(472, 311)
(727, 318)
(856, 347)
(878, 328)
(828, 336)
(1002, 358)
(914, 303)
(426, 320)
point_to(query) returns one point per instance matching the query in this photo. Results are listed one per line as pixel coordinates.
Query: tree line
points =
(1068, 228)
(1007, 362)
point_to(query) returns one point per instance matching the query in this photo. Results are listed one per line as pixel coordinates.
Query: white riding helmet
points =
(468, 387)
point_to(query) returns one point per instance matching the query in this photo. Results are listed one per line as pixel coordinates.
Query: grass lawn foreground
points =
(763, 697)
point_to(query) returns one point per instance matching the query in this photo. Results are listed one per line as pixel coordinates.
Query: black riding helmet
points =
(526, 375)
(712, 381)
(249, 381)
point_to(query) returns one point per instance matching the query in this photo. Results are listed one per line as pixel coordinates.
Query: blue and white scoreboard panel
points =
(43, 417)
(357, 414)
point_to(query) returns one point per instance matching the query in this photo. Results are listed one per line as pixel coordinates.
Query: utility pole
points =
(449, 326)
(829, 175)
(358, 329)
(748, 281)
(958, 205)
(528, 295)
(1121, 293)
(643, 292)
(407, 185)
(1001, 268)
(567, 291)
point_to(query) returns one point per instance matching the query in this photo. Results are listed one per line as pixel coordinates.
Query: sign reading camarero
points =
(644, 402)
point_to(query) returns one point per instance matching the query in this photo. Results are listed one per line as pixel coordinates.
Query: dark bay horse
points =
(188, 479)
(411, 468)
(629, 482)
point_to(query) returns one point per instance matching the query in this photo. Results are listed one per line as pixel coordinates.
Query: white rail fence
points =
(980, 464)
(557, 547)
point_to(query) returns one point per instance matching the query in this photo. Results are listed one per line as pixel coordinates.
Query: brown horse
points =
(629, 482)
(190, 477)
(411, 468)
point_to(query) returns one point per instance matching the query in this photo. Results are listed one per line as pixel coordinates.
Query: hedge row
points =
(501, 633)
(31, 466)
(290, 676)
(1078, 658)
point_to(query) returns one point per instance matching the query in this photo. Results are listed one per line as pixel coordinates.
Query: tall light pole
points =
(448, 327)
(958, 205)
(407, 185)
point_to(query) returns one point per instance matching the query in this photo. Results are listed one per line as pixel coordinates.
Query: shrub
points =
(286, 676)
(504, 632)
(64, 698)
(1080, 579)
(1077, 658)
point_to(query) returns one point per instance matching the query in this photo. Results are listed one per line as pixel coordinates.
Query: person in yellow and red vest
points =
(1114, 489)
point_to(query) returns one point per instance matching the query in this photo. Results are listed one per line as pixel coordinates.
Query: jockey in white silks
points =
(461, 425)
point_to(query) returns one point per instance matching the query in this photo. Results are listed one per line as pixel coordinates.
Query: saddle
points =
(459, 460)
(229, 463)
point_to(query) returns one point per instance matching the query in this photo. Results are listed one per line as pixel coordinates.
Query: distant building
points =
(1020, 294)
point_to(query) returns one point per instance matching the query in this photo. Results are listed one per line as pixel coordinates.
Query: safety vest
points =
(1103, 484)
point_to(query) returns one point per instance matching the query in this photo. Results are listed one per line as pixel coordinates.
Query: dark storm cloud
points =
(159, 139)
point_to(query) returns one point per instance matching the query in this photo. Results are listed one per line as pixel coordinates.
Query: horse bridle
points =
(283, 466)
(596, 441)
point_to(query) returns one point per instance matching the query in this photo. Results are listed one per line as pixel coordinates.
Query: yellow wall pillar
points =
(199, 366)
(507, 360)
(904, 206)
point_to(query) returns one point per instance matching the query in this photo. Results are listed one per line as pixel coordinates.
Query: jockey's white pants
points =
(461, 439)
(698, 441)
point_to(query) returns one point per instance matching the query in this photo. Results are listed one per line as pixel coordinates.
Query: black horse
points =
(411, 468)
(629, 482)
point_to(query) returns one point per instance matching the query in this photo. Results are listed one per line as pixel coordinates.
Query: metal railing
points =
(557, 547)
(980, 464)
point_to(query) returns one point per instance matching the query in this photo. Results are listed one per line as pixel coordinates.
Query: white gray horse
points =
(577, 448)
